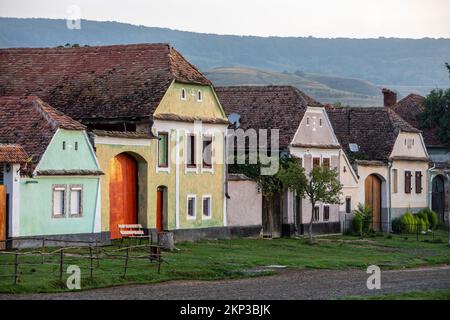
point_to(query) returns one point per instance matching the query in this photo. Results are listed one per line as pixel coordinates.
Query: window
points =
(191, 151)
(418, 181)
(326, 213)
(183, 94)
(64, 145)
(76, 145)
(206, 207)
(2, 177)
(316, 163)
(326, 163)
(394, 180)
(408, 182)
(59, 201)
(76, 206)
(320, 121)
(163, 149)
(207, 152)
(199, 96)
(191, 207)
(316, 216)
(348, 205)
(307, 121)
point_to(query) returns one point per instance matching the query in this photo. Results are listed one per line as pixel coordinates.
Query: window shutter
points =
(316, 163)
(418, 181)
(407, 181)
(326, 163)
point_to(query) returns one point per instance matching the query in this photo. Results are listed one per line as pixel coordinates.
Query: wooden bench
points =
(133, 231)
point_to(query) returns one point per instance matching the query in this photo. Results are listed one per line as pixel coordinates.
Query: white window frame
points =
(183, 90)
(209, 216)
(187, 151)
(75, 187)
(323, 213)
(63, 188)
(307, 121)
(191, 196)
(211, 168)
(318, 220)
(199, 95)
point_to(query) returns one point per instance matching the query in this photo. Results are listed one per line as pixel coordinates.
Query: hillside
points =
(324, 89)
(397, 62)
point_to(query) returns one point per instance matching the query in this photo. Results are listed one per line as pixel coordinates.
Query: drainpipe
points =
(430, 185)
(389, 196)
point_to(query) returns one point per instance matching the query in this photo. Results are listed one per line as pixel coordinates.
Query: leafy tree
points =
(448, 68)
(437, 113)
(322, 185)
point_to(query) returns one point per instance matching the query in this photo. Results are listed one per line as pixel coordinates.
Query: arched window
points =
(199, 96)
(183, 94)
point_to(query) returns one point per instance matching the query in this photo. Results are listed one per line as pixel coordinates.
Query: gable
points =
(409, 145)
(172, 103)
(315, 130)
(55, 158)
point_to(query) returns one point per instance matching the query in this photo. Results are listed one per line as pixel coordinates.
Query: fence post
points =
(42, 252)
(16, 268)
(158, 250)
(126, 263)
(61, 264)
(96, 253)
(92, 266)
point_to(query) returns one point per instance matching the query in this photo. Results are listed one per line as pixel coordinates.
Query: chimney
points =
(390, 97)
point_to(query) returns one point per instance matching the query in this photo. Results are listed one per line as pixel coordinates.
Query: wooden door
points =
(2, 217)
(373, 199)
(159, 209)
(123, 193)
(438, 197)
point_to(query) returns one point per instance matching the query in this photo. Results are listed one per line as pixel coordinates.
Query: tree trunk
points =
(311, 238)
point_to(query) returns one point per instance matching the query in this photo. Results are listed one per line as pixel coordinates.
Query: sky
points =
(318, 18)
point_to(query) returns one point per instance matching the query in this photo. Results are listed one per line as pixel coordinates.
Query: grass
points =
(413, 295)
(225, 259)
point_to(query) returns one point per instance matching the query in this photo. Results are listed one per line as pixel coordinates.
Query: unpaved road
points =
(288, 284)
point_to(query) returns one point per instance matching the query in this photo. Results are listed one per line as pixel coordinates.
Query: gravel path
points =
(288, 284)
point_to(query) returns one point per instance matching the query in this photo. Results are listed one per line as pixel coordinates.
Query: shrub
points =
(362, 221)
(398, 226)
(409, 222)
(432, 218)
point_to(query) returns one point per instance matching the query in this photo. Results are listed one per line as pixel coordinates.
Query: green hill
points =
(323, 88)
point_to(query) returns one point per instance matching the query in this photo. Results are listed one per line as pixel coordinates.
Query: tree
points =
(448, 68)
(322, 185)
(437, 113)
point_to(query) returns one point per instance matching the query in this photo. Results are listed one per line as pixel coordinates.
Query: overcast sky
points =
(319, 18)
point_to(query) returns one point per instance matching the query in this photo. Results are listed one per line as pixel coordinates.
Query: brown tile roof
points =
(31, 123)
(374, 130)
(12, 153)
(409, 108)
(124, 134)
(267, 107)
(107, 82)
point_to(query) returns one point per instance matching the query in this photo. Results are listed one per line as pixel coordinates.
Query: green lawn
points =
(414, 295)
(213, 260)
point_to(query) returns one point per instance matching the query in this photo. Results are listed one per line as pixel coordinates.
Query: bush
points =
(362, 222)
(398, 226)
(431, 217)
(409, 222)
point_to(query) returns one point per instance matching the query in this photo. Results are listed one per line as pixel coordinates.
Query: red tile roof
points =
(12, 153)
(31, 123)
(409, 108)
(374, 130)
(110, 82)
(267, 107)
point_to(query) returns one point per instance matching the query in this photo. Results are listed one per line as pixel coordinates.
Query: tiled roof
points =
(31, 123)
(107, 82)
(267, 107)
(409, 108)
(12, 153)
(124, 134)
(374, 130)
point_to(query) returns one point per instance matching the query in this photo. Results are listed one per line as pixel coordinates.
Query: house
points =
(439, 179)
(304, 131)
(156, 124)
(384, 164)
(50, 173)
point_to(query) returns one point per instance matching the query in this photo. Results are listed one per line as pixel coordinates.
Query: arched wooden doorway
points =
(123, 193)
(438, 196)
(161, 208)
(373, 199)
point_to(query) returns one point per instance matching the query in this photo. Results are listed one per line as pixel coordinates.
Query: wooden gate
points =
(272, 216)
(438, 197)
(2, 217)
(123, 193)
(373, 199)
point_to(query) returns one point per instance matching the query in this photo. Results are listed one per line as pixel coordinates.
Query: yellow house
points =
(156, 124)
